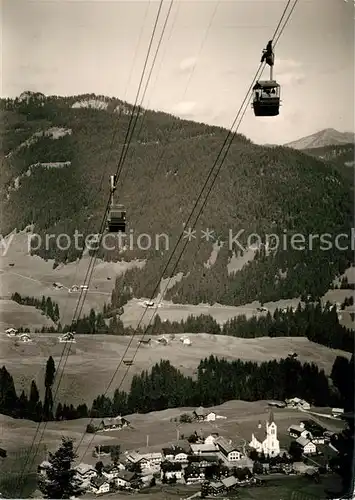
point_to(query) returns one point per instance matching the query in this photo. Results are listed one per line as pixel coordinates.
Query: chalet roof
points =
(200, 411)
(216, 485)
(229, 481)
(203, 448)
(227, 446)
(302, 441)
(113, 421)
(126, 475)
(98, 481)
(296, 428)
(174, 450)
(84, 468)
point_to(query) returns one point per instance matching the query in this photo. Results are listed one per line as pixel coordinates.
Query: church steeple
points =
(271, 417)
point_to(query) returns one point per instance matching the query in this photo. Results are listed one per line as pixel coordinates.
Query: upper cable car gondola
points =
(116, 220)
(266, 93)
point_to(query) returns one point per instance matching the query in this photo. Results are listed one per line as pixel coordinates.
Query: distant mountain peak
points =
(326, 137)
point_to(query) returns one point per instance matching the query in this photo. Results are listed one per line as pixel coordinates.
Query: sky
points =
(209, 54)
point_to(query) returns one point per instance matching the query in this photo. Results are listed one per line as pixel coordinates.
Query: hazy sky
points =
(207, 60)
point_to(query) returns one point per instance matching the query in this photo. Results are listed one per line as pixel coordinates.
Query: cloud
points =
(184, 108)
(187, 64)
(289, 72)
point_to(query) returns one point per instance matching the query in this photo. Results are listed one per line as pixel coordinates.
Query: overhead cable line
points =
(226, 144)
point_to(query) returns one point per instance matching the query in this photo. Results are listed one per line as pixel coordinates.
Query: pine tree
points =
(60, 480)
(50, 372)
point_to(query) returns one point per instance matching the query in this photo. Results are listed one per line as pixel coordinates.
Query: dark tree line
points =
(217, 381)
(46, 304)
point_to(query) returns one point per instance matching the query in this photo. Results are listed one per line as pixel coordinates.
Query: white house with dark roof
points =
(307, 446)
(201, 414)
(99, 485)
(297, 431)
(110, 424)
(124, 479)
(229, 450)
(266, 441)
(175, 454)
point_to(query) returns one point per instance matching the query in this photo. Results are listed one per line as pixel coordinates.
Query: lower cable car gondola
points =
(266, 93)
(116, 220)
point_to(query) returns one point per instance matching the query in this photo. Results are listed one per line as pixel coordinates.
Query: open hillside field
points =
(94, 358)
(17, 315)
(241, 420)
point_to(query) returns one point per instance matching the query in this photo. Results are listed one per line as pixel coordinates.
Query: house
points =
(43, 466)
(85, 471)
(201, 414)
(298, 403)
(202, 461)
(73, 289)
(147, 460)
(215, 488)
(110, 424)
(307, 446)
(24, 337)
(211, 438)
(162, 340)
(175, 454)
(297, 431)
(144, 342)
(11, 332)
(204, 449)
(124, 479)
(171, 470)
(193, 474)
(111, 471)
(67, 337)
(99, 485)
(228, 449)
(230, 483)
(185, 340)
(266, 441)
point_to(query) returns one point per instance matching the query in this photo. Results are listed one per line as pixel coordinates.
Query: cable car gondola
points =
(116, 220)
(266, 93)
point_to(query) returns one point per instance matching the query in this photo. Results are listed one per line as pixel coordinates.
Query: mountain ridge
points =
(59, 183)
(322, 138)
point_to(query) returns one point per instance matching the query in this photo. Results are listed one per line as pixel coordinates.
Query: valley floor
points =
(241, 420)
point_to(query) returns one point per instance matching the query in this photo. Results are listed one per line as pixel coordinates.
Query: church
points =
(266, 441)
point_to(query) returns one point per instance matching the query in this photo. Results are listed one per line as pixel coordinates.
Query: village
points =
(216, 464)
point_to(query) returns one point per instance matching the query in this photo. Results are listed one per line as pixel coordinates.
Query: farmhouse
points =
(11, 332)
(99, 485)
(201, 414)
(124, 479)
(307, 446)
(171, 470)
(24, 337)
(110, 424)
(298, 403)
(267, 441)
(175, 454)
(67, 337)
(228, 449)
(211, 438)
(146, 460)
(297, 431)
(144, 342)
(85, 472)
(111, 471)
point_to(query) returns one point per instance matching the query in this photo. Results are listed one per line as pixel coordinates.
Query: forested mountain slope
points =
(59, 152)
